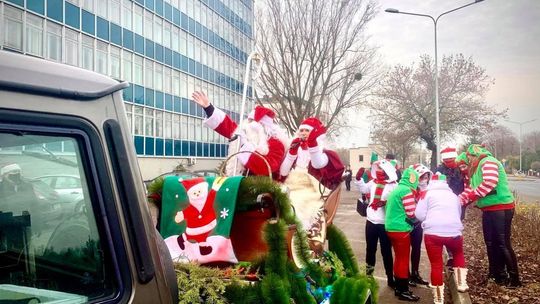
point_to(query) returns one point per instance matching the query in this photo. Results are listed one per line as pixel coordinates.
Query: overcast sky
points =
(503, 36)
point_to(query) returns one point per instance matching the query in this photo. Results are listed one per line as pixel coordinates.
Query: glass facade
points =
(165, 49)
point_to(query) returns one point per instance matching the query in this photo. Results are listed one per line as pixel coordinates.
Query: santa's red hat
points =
(189, 183)
(264, 116)
(310, 124)
(448, 152)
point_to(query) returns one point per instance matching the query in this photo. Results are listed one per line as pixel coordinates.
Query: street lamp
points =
(435, 20)
(520, 139)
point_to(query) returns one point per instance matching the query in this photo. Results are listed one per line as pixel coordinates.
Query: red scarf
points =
(379, 187)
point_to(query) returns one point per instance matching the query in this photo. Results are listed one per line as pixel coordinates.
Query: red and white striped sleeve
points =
(409, 202)
(490, 178)
(221, 123)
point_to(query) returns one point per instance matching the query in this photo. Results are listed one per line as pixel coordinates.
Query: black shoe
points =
(406, 296)
(417, 279)
(513, 283)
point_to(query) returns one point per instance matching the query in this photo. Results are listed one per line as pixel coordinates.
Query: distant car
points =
(189, 174)
(68, 187)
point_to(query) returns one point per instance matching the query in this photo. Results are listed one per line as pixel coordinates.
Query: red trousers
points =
(401, 242)
(434, 246)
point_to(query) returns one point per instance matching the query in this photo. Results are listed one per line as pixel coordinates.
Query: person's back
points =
(441, 214)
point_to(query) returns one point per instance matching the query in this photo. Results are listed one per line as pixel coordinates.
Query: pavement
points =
(353, 225)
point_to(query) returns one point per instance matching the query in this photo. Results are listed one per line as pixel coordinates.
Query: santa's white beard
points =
(254, 133)
(303, 158)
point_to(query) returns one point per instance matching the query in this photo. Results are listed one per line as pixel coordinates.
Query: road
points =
(528, 190)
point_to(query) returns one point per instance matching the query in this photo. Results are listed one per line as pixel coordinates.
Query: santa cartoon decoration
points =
(258, 133)
(200, 216)
(307, 150)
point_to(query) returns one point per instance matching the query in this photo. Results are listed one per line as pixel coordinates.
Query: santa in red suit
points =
(306, 150)
(257, 134)
(199, 215)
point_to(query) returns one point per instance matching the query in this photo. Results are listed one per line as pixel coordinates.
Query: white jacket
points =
(440, 211)
(375, 216)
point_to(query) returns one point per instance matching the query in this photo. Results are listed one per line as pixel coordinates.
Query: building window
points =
(88, 53)
(102, 8)
(176, 83)
(158, 30)
(148, 73)
(175, 41)
(115, 62)
(138, 70)
(88, 5)
(13, 28)
(129, 115)
(361, 157)
(167, 80)
(149, 121)
(101, 58)
(54, 41)
(34, 35)
(138, 120)
(115, 11)
(176, 126)
(167, 34)
(158, 77)
(183, 43)
(126, 14)
(126, 66)
(72, 47)
(138, 19)
(148, 24)
(183, 127)
(198, 129)
(168, 125)
(159, 124)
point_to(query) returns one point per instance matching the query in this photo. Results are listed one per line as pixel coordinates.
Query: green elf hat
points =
(374, 157)
(477, 150)
(462, 159)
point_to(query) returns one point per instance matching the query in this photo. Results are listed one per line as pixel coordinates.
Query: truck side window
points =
(50, 245)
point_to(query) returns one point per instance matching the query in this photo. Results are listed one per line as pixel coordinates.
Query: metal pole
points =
(437, 122)
(520, 140)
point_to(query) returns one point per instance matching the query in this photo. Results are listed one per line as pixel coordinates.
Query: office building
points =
(165, 49)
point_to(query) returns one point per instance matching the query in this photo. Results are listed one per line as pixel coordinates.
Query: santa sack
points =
(196, 218)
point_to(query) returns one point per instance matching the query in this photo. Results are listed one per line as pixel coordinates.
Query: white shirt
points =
(440, 211)
(375, 216)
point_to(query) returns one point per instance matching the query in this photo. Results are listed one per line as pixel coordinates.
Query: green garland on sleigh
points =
(281, 280)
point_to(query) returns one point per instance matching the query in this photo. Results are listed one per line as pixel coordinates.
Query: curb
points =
(457, 297)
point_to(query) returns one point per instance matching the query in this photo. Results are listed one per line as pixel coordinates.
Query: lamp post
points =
(435, 20)
(520, 138)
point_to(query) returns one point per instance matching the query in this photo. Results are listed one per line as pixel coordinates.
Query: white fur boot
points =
(460, 276)
(438, 294)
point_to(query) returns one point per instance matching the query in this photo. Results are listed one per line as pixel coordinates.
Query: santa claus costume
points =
(258, 134)
(323, 164)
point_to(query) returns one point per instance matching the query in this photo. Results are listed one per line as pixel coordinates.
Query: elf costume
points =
(399, 214)
(489, 189)
(378, 190)
(325, 165)
(439, 211)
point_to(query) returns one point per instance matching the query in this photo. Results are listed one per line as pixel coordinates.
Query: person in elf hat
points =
(306, 151)
(490, 191)
(258, 134)
(398, 224)
(439, 211)
(378, 189)
(417, 233)
(454, 176)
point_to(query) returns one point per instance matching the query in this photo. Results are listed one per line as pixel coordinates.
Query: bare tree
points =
(315, 53)
(501, 141)
(398, 142)
(531, 141)
(405, 100)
